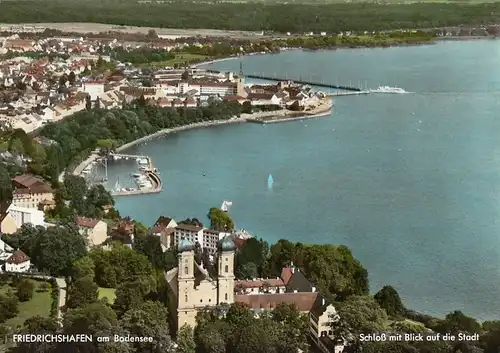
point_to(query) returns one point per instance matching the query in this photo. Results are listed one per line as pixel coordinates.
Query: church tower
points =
(225, 288)
(186, 313)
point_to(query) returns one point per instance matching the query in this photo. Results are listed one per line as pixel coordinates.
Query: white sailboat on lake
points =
(270, 182)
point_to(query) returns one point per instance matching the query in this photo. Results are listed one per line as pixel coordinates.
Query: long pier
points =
(349, 93)
(303, 82)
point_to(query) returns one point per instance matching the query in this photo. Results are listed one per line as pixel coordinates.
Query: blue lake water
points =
(411, 183)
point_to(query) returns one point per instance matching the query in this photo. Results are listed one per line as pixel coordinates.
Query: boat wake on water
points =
(389, 89)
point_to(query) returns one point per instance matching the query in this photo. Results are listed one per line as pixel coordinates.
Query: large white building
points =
(16, 216)
(93, 88)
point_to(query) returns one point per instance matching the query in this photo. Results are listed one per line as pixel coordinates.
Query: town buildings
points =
(16, 216)
(18, 262)
(94, 230)
(32, 192)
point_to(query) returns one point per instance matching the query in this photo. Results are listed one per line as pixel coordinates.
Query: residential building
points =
(95, 230)
(17, 216)
(93, 88)
(210, 240)
(18, 262)
(164, 228)
(189, 232)
(123, 232)
(30, 191)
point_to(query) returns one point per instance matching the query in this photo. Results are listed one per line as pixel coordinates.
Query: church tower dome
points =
(186, 245)
(227, 244)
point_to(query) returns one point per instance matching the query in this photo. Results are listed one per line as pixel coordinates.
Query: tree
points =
(122, 264)
(40, 325)
(82, 292)
(54, 249)
(295, 325)
(389, 347)
(24, 290)
(83, 267)
(211, 337)
(457, 322)
(96, 319)
(8, 306)
(261, 336)
(129, 295)
(5, 184)
(247, 107)
(185, 340)
(185, 75)
(88, 102)
(220, 220)
(333, 269)
(388, 299)
(71, 78)
(359, 314)
(148, 320)
(152, 34)
(150, 246)
(251, 258)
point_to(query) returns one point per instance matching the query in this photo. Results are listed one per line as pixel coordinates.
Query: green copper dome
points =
(227, 244)
(186, 245)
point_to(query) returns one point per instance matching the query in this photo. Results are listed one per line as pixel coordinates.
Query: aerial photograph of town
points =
(267, 176)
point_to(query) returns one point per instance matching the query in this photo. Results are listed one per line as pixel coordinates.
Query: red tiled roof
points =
(26, 180)
(303, 301)
(18, 257)
(233, 98)
(286, 274)
(86, 222)
(239, 242)
(272, 282)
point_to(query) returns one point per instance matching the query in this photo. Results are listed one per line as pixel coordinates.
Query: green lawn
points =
(179, 59)
(38, 305)
(108, 293)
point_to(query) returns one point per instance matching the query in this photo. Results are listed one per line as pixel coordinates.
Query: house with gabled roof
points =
(30, 191)
(18, 262)
(94, 230)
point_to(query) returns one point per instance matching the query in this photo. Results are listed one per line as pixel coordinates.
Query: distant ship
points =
(225, 205)
(388, 89)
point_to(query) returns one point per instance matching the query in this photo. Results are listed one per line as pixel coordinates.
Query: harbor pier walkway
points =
(302, 81)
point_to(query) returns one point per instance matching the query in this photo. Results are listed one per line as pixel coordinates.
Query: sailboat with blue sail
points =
(270, 182)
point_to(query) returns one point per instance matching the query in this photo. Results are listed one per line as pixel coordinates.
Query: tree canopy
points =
(220, 220)
(255, 16)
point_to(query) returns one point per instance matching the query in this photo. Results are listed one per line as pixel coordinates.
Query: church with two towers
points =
(191, 289)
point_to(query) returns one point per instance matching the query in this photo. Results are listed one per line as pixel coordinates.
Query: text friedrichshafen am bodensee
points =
(78, 338)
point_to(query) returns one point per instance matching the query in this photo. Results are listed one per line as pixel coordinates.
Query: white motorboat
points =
(388, 89)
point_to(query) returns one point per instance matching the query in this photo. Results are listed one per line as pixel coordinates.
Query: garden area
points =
(22, 298)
